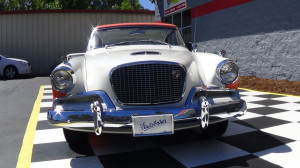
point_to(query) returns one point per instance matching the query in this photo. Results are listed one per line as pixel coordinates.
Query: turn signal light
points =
(234, 85)
(56, 94)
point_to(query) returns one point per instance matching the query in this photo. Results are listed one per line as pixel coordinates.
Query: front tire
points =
(10, 72)
(216, 129)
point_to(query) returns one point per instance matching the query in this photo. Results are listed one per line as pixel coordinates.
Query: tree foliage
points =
(129, 4)
(11, 5)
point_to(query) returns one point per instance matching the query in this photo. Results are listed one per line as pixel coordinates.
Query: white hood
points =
(100, 63)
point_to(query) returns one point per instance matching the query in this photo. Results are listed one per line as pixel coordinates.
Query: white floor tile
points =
(48, 91)
(292, 116)
(286, 156)
(288, 99)
(249, 115)
(287, 106)
(252, 98)
(47, 86)
(47, 97)
(203, 152)
(86, 162)
(46, 104)
(253, 105)
(48, 136)
(250, 93)
(290, 130)
(42, 117)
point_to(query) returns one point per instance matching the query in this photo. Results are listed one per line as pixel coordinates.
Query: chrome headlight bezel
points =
(69, 76)
(233, 69)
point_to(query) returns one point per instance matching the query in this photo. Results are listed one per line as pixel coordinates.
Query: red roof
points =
(136, 24)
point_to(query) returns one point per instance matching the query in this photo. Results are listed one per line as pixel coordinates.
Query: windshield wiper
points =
(120, 43)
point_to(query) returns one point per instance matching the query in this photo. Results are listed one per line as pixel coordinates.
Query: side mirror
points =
(64, 59)
(222, 53)
(191, 46)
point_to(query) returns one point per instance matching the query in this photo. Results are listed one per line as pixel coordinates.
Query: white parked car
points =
(140, 79)
(12, 67)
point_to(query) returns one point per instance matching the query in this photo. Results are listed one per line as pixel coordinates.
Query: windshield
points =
(143, 35)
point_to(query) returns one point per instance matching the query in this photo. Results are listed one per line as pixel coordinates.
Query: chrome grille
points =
(148, 83)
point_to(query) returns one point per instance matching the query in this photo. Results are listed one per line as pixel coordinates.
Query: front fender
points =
(207, 64)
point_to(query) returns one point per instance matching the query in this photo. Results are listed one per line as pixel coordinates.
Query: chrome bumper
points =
(75, 112)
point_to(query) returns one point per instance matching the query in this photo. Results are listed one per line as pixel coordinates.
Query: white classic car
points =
(12, 67)
(140, 79)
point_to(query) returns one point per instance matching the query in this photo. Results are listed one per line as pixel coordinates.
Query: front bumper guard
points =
(95, 112)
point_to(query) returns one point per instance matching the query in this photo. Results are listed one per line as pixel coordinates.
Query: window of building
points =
(183, 21)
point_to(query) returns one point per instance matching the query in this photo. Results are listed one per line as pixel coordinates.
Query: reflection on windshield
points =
(135, 36)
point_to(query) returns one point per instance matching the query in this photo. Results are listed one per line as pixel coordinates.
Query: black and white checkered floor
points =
(267, 136)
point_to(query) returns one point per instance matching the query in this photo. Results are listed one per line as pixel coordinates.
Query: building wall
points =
(263, 36)
(42, 37)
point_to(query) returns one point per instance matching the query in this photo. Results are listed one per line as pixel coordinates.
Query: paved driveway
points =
(267, 136)
(16, 100)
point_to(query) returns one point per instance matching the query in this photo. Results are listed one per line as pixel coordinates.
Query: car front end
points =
(143, 88)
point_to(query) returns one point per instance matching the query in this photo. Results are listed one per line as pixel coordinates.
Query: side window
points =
(183, 21)
(95, 41)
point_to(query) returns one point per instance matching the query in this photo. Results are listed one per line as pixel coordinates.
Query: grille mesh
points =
(141, 84)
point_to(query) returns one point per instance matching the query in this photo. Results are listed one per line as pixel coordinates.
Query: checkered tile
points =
(267, 136)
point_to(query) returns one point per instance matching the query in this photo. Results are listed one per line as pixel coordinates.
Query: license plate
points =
(152, 125)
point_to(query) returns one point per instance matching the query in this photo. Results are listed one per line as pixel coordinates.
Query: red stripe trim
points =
(76, 11)
(215, 5)
(136, 24)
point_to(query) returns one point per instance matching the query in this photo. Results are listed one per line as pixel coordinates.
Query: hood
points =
(16, 59)
(100, 62)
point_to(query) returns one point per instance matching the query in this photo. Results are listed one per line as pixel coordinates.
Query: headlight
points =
(62, 80)
(227, 72)
(24, 63)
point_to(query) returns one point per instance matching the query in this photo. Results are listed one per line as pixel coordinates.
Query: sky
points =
(147, 4)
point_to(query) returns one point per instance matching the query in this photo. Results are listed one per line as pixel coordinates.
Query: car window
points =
(135, 36)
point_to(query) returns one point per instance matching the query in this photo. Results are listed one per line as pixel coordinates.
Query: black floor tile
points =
(269, 96)
(269, 102)
(58, 150)
(266, 110)
(255, 141)
(47, 94)
(179, 137)
(249, 161)
(44, 109)
(261, 122)
(47, 100)
(145, 158)
(42, 125)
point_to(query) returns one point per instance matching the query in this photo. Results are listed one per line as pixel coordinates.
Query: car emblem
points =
(176, 73)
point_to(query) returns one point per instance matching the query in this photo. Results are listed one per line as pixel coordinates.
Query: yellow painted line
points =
(279, 94)
(25, 154)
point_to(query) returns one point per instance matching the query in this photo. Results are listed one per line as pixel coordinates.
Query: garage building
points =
(263, 36)
(42, 37)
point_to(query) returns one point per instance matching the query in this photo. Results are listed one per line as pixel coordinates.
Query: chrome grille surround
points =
(148, 83)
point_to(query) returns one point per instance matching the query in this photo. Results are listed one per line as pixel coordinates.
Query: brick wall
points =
(263, 36)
